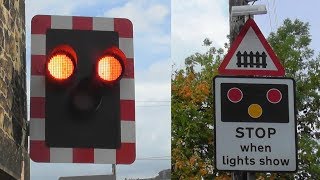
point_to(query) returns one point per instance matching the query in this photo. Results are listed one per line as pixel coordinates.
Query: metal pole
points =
(235, 23)
(251, 176)
(114, 169)
(238, 175)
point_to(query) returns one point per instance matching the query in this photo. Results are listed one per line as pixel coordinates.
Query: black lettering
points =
(238, 160)
(247, 160)
(253, 147)
(244, 148)
(258, 132)
(223, 160)
(268, 161)
(271, 131)
(267, 148)
(249, 131)
(232, 162)
(240, 132)
(252, 162)
(263, 133)
(284, 162)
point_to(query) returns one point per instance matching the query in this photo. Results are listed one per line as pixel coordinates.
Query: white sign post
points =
(255, 124)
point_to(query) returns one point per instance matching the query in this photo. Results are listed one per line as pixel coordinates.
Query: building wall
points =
(14, 160)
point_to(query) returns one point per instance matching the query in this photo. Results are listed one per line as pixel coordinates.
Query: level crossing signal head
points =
(82, 104)
(84, 69)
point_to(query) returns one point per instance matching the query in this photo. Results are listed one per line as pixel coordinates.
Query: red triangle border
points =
(251, 23)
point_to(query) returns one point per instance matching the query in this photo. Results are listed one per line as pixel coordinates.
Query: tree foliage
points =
(192, 106)
(291, 43)
(191, 110)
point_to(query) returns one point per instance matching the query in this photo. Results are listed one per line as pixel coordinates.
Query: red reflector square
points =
(81, 155)
(39, 152)
(126, 154)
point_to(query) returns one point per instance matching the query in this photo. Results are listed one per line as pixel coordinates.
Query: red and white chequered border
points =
(39, 152)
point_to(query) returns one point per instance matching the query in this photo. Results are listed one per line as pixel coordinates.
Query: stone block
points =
(10, 157)
(13, 105)
(1, 117)
(7, 126)
(6, 4)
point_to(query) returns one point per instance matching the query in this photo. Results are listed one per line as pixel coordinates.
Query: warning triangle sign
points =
(251, 54)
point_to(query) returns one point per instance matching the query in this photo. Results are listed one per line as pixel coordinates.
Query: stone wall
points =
(14, 161)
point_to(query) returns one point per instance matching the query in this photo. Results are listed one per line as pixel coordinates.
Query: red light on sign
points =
(235, 95)
(110, 67)
(61, 63)
(274, 96)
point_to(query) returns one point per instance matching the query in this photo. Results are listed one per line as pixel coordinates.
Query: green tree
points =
(192, 106)
(291, 42)
(191, 110)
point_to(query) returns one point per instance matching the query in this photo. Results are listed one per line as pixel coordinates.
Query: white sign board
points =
(255, 124)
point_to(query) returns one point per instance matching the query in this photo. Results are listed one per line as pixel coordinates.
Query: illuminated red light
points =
(60, 66)
(61, 63)
(110, 67)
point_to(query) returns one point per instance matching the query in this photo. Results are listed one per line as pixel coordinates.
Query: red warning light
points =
(235, 95)
(61, 63)
(110, 67)
(274, 96)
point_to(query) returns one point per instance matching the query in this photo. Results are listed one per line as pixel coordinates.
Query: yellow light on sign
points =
(255, 110)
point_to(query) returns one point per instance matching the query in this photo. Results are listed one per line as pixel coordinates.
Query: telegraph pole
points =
(235, 24)
(240, 12)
